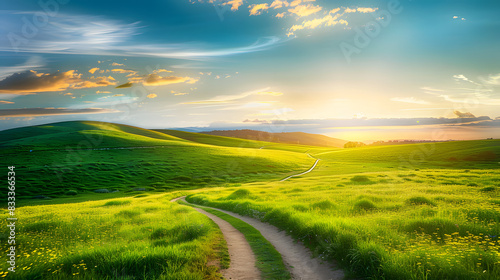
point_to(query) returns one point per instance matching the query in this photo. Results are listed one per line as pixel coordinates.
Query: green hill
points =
(85, 156)
(300, 138)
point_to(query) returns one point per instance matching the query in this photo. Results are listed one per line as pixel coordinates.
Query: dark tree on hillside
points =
(352, 144)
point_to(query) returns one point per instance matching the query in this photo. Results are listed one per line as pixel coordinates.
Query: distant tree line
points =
(353, 144)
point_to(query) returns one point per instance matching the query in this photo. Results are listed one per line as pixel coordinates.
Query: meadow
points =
(382, 218)
(140, 237)
(420, 211)
(79, 157)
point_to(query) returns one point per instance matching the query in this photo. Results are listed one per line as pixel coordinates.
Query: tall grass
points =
(138, 238)
(400, 230)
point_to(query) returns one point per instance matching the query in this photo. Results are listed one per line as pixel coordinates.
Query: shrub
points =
(323, 205)
(420, 200)
(71, 192)
(241, 193)
(361, 179)
(488, 189)
(364, 205)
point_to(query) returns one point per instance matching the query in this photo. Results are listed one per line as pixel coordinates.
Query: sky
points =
(356, 70)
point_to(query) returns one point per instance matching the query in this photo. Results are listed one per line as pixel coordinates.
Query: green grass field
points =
(421, 211)
(384, 219)
(142, 237)
(85, 156)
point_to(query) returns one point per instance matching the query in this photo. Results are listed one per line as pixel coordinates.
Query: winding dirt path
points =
(310, 169)
(296, 256)
(242, 263)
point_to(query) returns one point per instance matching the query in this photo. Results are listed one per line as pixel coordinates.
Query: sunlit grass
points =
(380, 225)
(137, 238)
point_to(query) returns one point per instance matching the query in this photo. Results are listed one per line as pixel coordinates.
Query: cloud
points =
(331, 19)
(255, 121)
(235, 4)
(305, 10)
(272, 93)
(256, 9)
(97, 35)
(228, 98)
(463, 115)
(117, 95)
(367, 10)
(493, 80)
(378, 122)
(161, 71)
(178, 93)
(151, 95)
(298, 2)
(33, 62)
(278, 4)
(29, 82)
(157, 80)
(249, 105)
(486, 93)
(463, 78)
(412, 100)
(126, 85)
(92, 71)
(116, 64)
(102, 91)
(6, 102)
(124, 71)
(35, 112)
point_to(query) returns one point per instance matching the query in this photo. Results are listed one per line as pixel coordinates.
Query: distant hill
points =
(283, 137)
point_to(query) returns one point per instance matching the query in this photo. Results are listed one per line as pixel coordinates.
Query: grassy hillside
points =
(301, 138)
(383, 223)
(243, 143)
(81, 134)
(139, 237)
(85, 156)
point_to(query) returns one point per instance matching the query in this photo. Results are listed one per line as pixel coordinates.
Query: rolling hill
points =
(86, 155)
(283, 137)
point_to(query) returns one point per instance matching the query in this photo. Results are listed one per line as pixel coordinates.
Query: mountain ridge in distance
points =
(301, 138)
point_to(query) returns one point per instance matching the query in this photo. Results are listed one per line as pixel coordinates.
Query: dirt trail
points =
(242, 265)
(310, 169)
(296, 256)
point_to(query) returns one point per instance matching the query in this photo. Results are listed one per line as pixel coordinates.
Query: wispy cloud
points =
(34, 112)
(82, 34)
(412, 100)
(32, 63)
(234, 97)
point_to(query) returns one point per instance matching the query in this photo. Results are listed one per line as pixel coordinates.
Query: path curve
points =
(310, 169)
(296, 256)
(242, 259)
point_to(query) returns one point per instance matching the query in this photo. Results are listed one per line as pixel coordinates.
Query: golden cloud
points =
(256, 9)
(235, 4)
(278, 4)
(30, 82)
(151, 95)
(157, 80)
(305, 10)
(92, 71)
(6, 102)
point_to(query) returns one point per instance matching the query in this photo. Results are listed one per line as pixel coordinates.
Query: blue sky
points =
(358, 70)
